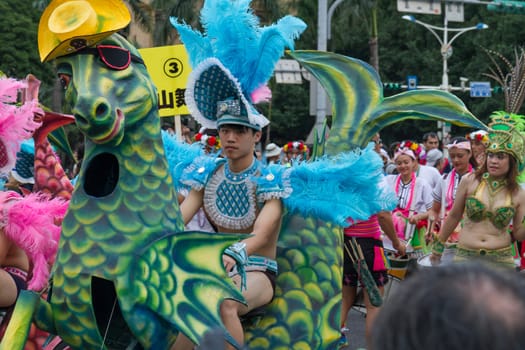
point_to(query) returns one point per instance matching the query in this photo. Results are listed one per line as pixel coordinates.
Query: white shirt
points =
(430, 174)
(422, 200)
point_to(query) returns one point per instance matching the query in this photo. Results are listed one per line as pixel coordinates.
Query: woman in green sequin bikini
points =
(491, 199)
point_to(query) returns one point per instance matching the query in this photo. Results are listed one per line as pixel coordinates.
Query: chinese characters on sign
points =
(169, 68)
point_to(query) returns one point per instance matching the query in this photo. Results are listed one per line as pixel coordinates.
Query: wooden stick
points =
(357, 249)
(353, 245)
(349, 254)
(361, 255)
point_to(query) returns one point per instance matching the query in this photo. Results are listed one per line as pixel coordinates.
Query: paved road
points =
(356, 319)
(356, 336)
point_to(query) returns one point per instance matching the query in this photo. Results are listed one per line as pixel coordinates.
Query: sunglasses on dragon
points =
(114, 57)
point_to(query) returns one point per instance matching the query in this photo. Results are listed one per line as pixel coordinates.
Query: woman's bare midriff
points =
(483, 235)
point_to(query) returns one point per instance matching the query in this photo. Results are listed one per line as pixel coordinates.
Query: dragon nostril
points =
(80, 120)
(101, 109)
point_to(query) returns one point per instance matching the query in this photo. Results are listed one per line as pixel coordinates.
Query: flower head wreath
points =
(415, 148)
(480, 136)
(207, 140)
(295, 145)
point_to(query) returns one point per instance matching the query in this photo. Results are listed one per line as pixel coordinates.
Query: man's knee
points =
(229, 309)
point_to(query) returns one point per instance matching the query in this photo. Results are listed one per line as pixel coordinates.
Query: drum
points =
(398, 266)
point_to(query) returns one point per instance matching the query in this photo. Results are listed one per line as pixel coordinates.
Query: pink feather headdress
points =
(17, 122)
(33, 223)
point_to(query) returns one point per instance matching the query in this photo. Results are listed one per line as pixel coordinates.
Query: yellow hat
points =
(70, 25)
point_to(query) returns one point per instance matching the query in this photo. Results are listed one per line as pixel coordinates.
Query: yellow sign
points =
(169, 68)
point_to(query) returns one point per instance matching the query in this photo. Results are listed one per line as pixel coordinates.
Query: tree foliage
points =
(409, 49)
(19, 51)
(404, 49)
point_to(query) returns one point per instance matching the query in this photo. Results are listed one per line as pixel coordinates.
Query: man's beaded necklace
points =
(229, 197)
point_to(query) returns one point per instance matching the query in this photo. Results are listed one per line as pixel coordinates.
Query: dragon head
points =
(107, 89)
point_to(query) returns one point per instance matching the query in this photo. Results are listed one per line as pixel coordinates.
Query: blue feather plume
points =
(233, 35)
(272, 42)
(195, 42)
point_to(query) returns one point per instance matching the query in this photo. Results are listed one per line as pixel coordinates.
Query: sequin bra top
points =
(476, 210)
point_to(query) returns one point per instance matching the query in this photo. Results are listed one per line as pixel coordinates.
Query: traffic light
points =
(392, 86)
(497, 89)
(507, 6)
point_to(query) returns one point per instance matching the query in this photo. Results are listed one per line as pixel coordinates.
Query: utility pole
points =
(316, 90)
(324, 17)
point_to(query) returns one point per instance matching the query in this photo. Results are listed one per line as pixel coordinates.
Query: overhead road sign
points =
(288, 72)
(432, 7)
(480, 89)
(454, 12)
(412, 82)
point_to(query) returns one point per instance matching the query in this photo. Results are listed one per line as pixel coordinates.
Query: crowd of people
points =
(460, 197)
(478, 179)
(459, 200)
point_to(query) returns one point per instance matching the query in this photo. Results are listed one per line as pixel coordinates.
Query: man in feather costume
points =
(225, 188)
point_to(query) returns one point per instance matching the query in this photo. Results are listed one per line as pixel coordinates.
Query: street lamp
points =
(446, 52)
(446, 44)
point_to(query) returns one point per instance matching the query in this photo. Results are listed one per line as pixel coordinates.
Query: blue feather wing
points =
(348, 186)
(179, 156)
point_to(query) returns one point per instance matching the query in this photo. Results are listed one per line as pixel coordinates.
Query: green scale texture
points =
(125, 226)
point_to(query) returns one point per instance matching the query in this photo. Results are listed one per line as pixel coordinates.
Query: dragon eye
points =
(64, 80)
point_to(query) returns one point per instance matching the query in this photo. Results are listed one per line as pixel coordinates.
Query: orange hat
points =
(67, 26)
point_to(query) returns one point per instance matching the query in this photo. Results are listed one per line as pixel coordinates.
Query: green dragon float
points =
(127, 275)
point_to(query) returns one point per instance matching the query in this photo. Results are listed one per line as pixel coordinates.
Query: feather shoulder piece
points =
(340, 189)
(180, 155)
(199, 172)
(33, 224)
(273, 182)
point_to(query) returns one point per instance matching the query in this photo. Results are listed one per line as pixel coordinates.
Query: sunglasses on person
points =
(114, 57)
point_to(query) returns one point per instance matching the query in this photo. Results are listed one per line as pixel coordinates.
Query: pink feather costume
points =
(31, 222)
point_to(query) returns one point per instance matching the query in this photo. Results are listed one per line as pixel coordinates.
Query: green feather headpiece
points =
(506, 135)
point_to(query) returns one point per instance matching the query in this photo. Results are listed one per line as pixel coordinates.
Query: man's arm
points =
(191, 205)
(264, 234)
(266, 227)
(387, 225)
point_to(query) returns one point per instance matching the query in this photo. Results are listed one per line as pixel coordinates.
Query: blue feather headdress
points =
(233, 53)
